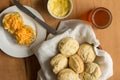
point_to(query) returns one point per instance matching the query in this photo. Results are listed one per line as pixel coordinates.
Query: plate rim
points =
(26, 54)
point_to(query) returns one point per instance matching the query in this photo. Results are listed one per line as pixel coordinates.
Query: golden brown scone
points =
(92, 72)
(12, 22)
(58, 63)
(67, 74)
(86, 52)
(68, 46)
(87, 76)
(76, 63)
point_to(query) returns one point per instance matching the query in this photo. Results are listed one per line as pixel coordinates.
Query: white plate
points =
(8, 43)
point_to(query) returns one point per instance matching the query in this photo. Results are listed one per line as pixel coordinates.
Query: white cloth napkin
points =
(82, 32)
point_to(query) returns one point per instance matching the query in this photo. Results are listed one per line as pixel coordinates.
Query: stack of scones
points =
(75, 61)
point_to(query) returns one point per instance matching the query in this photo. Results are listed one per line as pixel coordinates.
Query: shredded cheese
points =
(25, 35)
(14, 24)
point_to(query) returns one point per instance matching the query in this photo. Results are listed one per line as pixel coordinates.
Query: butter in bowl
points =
(60, 9)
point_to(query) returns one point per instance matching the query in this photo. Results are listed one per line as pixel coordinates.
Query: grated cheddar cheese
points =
(25, 35)
(14, 24)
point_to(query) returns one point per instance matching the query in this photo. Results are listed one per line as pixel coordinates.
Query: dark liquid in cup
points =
(100, 17)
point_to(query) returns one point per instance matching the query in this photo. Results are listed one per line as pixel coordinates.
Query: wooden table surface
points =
(26, 68)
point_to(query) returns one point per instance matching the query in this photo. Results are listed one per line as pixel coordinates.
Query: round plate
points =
(8, 43)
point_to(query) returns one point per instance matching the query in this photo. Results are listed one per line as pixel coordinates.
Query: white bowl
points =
(60, 17)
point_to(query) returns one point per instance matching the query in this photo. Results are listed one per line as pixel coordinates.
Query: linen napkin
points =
(82, 32)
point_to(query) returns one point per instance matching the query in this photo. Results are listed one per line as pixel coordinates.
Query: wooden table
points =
(26, 68)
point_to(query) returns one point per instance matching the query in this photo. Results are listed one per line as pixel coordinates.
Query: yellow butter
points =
(59, 8)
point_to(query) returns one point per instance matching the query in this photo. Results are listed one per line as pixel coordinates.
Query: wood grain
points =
(26, 69)
(11, 68)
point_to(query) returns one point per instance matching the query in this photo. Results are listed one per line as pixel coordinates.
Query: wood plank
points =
(26, 69)
(11, 68)
(109, 38)
(32, 67)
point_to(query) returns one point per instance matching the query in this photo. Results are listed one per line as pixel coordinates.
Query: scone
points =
(86, 52)
(68, 46)
(12, 22)
(76, 63)
(67, 74)
(58, 63)
(87, 76)
(25, 35)
(92, 72)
